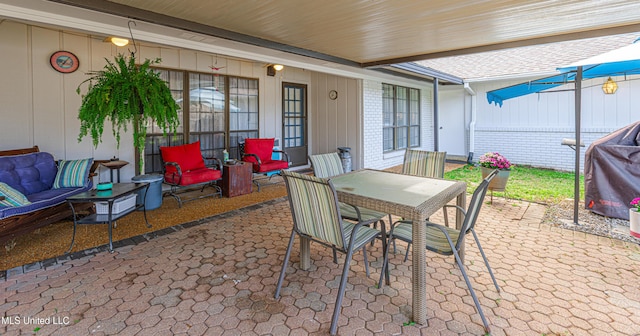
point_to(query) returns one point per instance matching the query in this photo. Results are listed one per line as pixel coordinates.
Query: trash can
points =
(154, 192)
(345, 157)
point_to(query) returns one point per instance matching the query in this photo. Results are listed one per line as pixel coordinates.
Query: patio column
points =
(578, 107)
(436, 127)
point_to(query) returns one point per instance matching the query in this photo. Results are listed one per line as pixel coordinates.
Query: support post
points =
(578, 109)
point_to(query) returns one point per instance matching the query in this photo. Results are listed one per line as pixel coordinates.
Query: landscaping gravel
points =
(561, 215)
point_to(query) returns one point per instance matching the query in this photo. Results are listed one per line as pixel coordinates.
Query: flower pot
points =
(634, 223)
(499, 182)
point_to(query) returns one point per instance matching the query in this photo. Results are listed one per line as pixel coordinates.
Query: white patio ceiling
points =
(368, 33)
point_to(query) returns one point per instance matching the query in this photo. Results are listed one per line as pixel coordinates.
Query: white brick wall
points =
(372, 128)
(535, 147)
(528, 129)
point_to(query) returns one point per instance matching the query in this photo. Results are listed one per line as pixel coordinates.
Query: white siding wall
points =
(529, 129)
(40, 105)
(335, 123)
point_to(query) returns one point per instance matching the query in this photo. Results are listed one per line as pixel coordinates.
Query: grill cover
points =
(612, 172)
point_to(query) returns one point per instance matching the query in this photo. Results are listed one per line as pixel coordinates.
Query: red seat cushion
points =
(195, 176)
(187, 156)
(263, 148)
(270, 165)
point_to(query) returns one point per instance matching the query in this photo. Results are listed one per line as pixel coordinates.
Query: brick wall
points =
(535, 147)
(372, 126)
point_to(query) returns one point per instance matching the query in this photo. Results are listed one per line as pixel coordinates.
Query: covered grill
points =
(612, 172)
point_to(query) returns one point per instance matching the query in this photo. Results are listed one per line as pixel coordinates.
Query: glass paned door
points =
(294, 121)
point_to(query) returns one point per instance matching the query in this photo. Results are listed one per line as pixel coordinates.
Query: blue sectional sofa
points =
(32, 173)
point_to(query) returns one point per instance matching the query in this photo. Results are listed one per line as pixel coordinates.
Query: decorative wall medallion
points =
(64, 61)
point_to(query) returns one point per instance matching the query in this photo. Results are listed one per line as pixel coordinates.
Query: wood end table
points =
(237, 179)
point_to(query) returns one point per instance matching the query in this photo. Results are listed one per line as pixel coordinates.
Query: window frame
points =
(185, 134)
(402, 105)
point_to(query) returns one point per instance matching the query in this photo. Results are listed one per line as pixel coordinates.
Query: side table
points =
(113, 165)
(119, 190)
(236, 179)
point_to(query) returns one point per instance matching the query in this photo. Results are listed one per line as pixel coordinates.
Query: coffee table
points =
(118, 191)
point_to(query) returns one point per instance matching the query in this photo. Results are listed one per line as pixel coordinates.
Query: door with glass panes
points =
(294, 122)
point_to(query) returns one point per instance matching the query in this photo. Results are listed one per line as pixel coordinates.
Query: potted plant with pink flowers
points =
(634, 217)
(494, 160)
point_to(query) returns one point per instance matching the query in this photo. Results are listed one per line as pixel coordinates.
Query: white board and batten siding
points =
(40, 105)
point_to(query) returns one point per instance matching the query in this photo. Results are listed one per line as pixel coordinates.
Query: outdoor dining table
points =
(410, 197)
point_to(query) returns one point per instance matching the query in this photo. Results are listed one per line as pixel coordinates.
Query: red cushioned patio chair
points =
(184, 168)
(259, 152)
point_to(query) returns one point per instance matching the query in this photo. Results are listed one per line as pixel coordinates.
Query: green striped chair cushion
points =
(12, 197)
(314, 208)
(72, 174)
(363, 236)
(424, 163)
(326, 165)
(436, 240)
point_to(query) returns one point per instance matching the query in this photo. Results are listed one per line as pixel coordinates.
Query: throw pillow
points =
(12, 197)
(72, 174)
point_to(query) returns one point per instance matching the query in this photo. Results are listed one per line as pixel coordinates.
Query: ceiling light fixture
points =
(120, 42)
(609, 87)
(278, 67)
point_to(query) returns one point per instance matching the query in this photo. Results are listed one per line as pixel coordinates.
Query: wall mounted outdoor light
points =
(272, 68)
(120, 42)
(609, 87)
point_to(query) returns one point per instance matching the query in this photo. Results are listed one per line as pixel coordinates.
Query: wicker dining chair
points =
(316, 216)
(444, 240)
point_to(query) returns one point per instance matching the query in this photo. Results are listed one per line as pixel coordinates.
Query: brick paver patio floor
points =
(219, 278)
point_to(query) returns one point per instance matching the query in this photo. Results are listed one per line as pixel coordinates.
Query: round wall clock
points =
(64, 61)
(333, 94)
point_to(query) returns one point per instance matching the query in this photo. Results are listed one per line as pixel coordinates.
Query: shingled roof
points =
(532, 60)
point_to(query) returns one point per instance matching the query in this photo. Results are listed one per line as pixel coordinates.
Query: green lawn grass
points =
(525, 183)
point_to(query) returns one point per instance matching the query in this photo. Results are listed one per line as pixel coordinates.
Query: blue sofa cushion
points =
(43, 200)
(33, 175)
(28, 173)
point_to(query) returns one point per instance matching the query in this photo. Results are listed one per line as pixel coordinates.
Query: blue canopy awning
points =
(619, 62)
(498, 96)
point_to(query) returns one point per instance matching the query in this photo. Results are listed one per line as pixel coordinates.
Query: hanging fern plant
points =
(125, 93)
